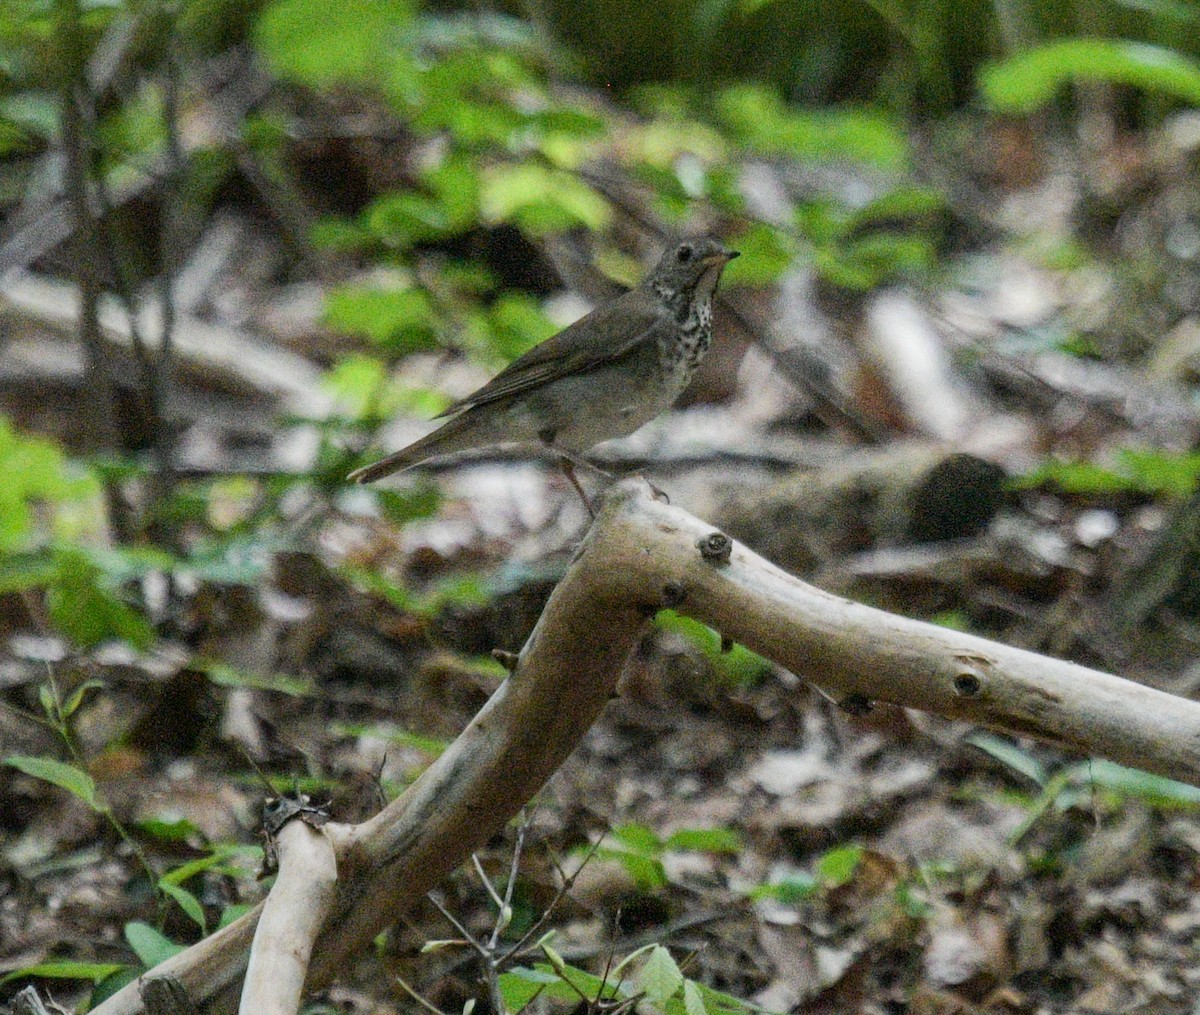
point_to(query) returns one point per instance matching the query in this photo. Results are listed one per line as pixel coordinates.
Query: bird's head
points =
(690, 270)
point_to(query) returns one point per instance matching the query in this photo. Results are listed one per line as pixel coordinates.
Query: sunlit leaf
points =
(149, 945)
(660, 977)
(319, 42)
(693, 1000)
(838, 866)
(75, 781)
(706, 840)
(94, 971)
(401, 319)
(187, 902)
(1029, 80)
(763, 122)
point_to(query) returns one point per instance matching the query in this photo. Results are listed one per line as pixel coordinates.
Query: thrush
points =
(602, 377)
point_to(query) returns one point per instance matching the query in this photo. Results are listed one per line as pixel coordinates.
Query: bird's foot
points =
(568, 470)
(655, 492)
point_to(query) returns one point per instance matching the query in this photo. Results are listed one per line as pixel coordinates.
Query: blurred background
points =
(246, 247)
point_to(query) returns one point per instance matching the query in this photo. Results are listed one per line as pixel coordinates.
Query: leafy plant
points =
(1081, 782)
(1029, 80)
(640, 851)
(650, 973)
(735, 664)
(1134, 470)
(832, 869)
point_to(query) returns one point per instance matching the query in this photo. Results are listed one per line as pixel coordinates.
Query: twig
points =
(99, 375)
(427, 1005)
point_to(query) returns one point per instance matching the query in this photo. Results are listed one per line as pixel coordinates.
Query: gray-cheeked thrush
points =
(603, 377)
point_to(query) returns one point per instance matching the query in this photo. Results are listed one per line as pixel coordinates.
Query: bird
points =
(600, 378)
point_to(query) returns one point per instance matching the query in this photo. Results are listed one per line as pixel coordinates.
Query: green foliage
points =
(224, 675)
(64, 970)
(463, 591)
(1134, 470)
(400, 319)
(1028, 81)
(1082, 783)
(861, 248)
(46, 506)
(541, 200)
(84, 604)
(650, 972)
(149, 945)
(736, 666)
(759, 119)
(325, 42)
(832, 869)
(36, 474)
(74, 780)
(640, 851)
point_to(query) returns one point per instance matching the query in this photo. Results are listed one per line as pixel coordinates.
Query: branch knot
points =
(715, 547)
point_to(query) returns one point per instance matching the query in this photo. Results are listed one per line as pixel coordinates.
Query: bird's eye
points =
(684, 254)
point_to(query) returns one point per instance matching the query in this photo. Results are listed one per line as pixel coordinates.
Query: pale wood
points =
(291, 918)
(639, 555)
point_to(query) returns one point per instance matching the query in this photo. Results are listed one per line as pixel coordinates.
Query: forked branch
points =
(640, 555)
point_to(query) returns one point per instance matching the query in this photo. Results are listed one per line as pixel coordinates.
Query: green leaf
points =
(639, 838)
(761, 120)
(178, 830)
(838, 866)
(94, 971)
(34, 470)
(320, 42)
(1029, 80)
(789, 890)
(1156, 790)
(403, 320)
(1008, 753)
(1137, 470)
(647, 872)
(693, 1001)
(706, 840)
(517, 324)
(224, 675)
(111, 984)
(906, 202)
(187, 902)
(738, 667)
(150, 946)
(521, 985)
(766, 252)
(217, 860)
(232, 912)
(71, 705)
(409, 504)
(719, 1003)
(22, 571)
(660, 977)
(541, 200)
(83, 608)
(76, 782)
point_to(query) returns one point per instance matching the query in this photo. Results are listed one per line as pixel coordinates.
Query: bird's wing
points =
(604, 335)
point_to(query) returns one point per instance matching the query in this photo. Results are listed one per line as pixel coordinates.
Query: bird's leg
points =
(567, 462)
(568, 470)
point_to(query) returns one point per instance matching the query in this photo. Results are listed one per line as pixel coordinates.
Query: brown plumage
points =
(603, 377)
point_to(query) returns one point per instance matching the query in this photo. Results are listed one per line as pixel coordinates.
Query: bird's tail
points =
(457, 434)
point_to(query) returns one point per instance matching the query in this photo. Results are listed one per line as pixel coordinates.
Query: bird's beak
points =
(722, 257)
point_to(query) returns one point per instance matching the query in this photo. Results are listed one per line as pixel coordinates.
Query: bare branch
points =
(291, 918)
(638, 553)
